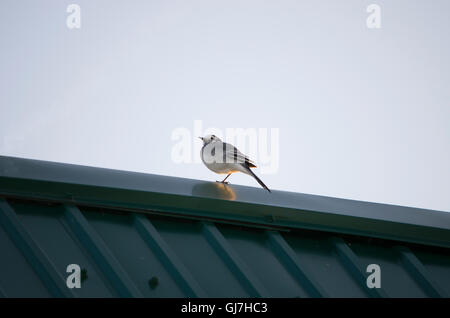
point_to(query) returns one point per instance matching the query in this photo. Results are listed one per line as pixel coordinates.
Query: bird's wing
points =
(231, 152)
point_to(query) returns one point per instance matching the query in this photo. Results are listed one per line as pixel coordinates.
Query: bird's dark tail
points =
(258, 179)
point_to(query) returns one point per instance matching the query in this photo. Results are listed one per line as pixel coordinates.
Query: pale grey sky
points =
(363, 113)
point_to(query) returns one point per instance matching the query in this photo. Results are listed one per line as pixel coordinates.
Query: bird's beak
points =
(201, 138)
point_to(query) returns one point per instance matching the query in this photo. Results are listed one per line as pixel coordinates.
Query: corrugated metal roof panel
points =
(137, 242)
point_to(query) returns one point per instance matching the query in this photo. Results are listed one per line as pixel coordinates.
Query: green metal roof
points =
(157, 236)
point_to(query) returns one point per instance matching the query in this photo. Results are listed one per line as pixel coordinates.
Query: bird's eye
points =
(213, 136)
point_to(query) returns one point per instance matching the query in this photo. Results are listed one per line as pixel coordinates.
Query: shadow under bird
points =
(224, 158)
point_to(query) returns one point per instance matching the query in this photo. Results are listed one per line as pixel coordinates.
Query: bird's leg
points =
(223, 181)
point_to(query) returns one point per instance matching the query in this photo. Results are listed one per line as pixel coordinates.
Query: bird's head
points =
(209, 138)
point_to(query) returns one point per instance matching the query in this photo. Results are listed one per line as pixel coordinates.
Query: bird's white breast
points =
(216, 164)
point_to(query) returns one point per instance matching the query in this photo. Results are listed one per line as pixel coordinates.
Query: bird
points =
(224, 158)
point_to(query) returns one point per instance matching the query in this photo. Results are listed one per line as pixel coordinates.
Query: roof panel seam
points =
(287, 255)
(233, 261)
(353, 265)
(416, 269)
(162, 250)
(32, 252)
(100, 252)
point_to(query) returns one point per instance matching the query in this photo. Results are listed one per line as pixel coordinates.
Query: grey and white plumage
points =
(224, 158)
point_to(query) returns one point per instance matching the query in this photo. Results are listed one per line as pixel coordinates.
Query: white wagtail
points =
(223, 158)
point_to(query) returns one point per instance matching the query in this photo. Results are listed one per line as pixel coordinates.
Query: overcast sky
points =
(362, 113)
